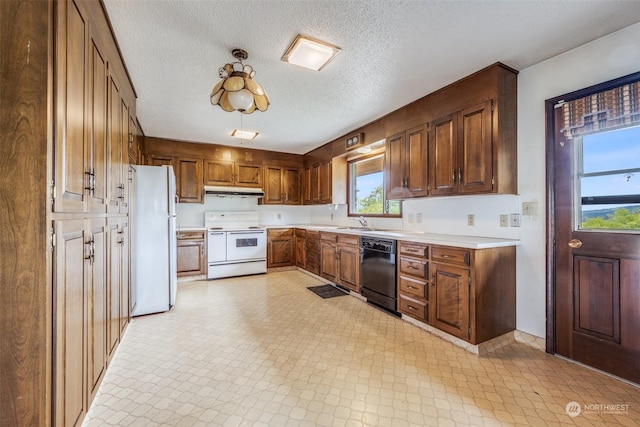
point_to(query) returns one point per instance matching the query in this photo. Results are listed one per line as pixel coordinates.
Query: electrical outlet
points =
(410, 219)
(279, 215)
(471, 220)
(514, 219)
(331, 217)
(530, 208)
(419, 218)
(504, 220)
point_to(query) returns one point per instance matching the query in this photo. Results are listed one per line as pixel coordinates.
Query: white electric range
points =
(236, 244)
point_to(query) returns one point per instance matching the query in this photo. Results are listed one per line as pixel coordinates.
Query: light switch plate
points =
(471, 220)
(514, 219)
(504, 220)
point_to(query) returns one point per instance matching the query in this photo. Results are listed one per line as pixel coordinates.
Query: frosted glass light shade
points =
(310, 53)
(241, 100)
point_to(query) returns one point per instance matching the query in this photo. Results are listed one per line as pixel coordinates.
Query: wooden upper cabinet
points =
(325, 183)
(96, 179)
(124, 158)
(156, 160)
(273, 193)
(218, 172)
(475, 132)
(134, 149)
(248, 175)
(305, 183)
(189, 180)
(71, 171)
(406, 164)
(443, 158)
(228, 173)
(462, 152)
(281, 185)
(314, 184)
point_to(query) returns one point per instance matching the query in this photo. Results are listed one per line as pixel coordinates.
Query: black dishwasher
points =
(378, 272)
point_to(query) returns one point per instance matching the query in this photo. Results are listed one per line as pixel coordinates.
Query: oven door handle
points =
(246, 232)
(216, 233)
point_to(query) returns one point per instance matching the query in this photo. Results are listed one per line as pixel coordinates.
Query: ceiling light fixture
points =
(244, 134)
(310, 53)
(237, 91)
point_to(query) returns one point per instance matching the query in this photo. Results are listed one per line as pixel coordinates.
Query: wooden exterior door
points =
(595, 264)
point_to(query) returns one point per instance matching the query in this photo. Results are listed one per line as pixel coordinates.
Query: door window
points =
(608, 180)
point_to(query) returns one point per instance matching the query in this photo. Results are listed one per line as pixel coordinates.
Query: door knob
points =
(575, 243)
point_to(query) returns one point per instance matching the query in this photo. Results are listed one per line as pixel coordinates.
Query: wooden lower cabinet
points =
(191, 253)
(468, 293)
(340, 259)
(91, 308)
(280, 247)
(312, 252)
(300, 242)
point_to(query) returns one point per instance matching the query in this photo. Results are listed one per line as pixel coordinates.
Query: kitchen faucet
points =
(363, 222)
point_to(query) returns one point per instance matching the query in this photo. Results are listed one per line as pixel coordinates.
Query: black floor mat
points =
(326, 291)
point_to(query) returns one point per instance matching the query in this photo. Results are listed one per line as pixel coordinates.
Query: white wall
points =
(612, 56)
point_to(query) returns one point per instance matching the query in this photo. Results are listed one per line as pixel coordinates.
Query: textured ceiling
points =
(393, 52)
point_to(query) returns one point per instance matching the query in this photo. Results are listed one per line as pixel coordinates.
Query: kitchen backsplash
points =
(448, 215)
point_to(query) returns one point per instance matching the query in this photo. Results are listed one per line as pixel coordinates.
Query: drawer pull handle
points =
(412, 267)
(446, 256)
(412, 287)
(411, 307)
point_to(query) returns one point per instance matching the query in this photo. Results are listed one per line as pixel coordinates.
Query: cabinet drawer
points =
(414, 308)
(312, 234)
(301, 233)
(279, 232)
(415, 287)
(451, 255)
(328, 237)
(414, 267)
(190, 235)
(349, 239)
(414, 249)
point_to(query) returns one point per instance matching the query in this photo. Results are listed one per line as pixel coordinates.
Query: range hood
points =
(219, 191)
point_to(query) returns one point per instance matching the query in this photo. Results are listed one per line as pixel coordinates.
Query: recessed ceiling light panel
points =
(310, 53)
(244, 134)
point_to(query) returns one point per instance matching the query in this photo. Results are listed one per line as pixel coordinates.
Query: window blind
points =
(607, 110)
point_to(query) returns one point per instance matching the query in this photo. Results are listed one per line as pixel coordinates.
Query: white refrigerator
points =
(155, 239)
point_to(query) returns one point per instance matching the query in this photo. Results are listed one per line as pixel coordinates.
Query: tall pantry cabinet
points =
(67, 122)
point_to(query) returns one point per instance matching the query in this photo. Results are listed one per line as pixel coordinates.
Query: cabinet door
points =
(248, 175)
(218, 172)
(416, 165)
(115, 148)
(113, 288)
(328, 261)
(189, 180)
(124, 158)
(306, 186)
(156, 160)
(349, 266)
(300, 248)
(191, 260)
(71, 175)
(476, 149)
(97, 304)
(133, 142)
(280, 248)
(315, 184)
(443, 156)
(273, 185)
(325, 183)
(71, 249)
(125, 278)
(291, 186)
(449, 296)
(394, 166)
(96, 180)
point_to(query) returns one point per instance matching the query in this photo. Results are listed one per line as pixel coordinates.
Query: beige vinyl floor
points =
(265, 351)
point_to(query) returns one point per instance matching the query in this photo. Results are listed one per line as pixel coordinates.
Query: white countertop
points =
(471, 242)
